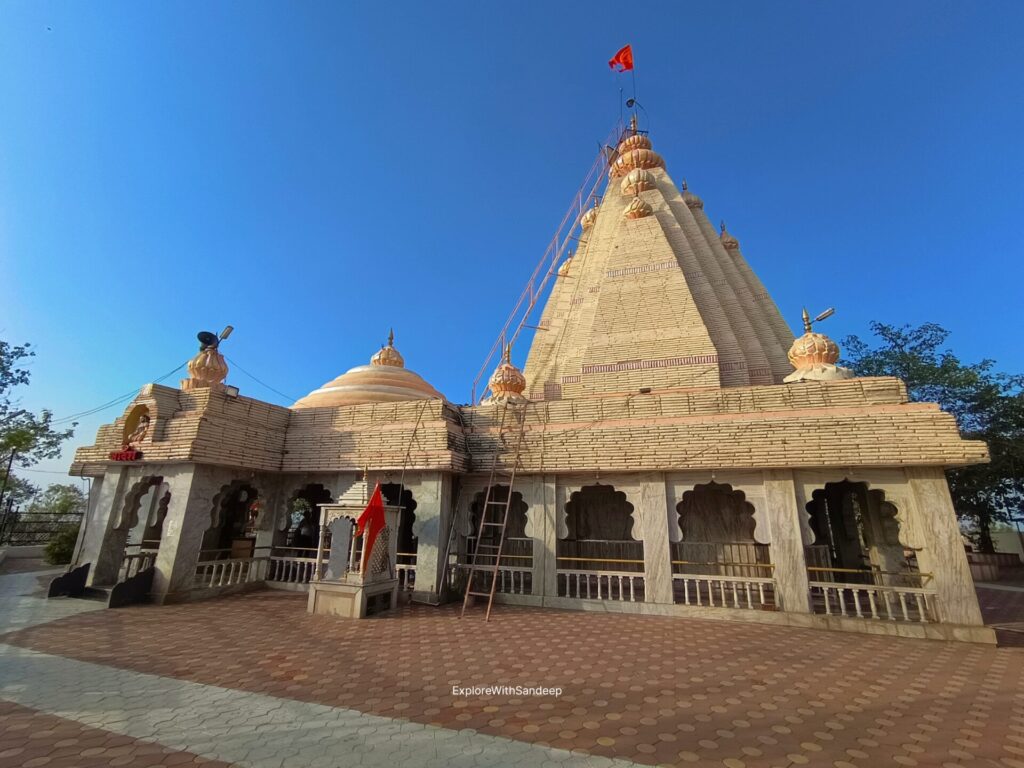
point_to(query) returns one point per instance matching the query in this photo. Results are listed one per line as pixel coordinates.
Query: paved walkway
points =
(255, 681)
(23, 601)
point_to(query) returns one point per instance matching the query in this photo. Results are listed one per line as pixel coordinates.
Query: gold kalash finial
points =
(633, 124)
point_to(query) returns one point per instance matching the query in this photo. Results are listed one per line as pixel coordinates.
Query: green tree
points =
(25, 438)
(988, 406)
(58, 503)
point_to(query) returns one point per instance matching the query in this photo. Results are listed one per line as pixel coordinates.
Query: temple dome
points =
(638, 180)
(384, 380)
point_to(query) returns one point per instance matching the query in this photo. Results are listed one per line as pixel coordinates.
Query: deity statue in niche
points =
(138, 434)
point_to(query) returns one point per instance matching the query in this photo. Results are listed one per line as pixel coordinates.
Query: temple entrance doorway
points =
(598, 556)
(717, 562)
(395, 495)
(232, 532)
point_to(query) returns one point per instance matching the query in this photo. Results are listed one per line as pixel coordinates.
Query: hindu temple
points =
(682, 453)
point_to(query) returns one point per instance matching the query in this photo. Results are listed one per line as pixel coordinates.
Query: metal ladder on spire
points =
(482, 577)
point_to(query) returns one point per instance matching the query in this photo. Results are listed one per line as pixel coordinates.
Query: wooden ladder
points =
(486, 557)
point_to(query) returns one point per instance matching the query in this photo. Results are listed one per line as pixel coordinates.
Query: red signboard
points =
(126, 454)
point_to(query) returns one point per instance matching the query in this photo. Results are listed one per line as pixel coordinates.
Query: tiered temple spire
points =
(658, 298)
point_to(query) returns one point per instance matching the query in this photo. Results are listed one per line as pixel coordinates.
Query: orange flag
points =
(623, 60)
(370, 523)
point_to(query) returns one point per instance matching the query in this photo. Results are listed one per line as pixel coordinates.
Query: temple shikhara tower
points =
(668, 447)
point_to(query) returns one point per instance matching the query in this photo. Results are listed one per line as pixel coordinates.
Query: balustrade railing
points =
(406, 570)
(873, 601)
(291, 570)
(601, 585)
(746, 592)
(134, 562)
(229, 571)
(724, 584)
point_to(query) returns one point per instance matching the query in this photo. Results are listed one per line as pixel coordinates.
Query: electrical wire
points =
(116, 401)
(261, 383)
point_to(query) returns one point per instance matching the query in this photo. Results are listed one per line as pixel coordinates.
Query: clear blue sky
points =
(316, 172)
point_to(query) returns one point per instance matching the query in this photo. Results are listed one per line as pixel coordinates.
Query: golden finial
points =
(391, 337)
(814, 355)
(632, 123)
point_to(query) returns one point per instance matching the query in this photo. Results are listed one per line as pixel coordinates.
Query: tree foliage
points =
(988, 406)
(28, 437)
(57, 503)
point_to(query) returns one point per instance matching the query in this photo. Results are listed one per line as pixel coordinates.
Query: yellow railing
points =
(924, 577)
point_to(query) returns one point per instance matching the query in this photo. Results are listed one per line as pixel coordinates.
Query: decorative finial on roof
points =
(685, 188)
(589, 217)
(207, 370)
(691, 200)
(507, 383)
(633, 124)
(814, 355)
(388, 355)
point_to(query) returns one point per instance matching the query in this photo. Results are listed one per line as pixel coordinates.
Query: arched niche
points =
(138, 426)
(600, 532)
(717, 533)
(857, 527)
(129, 515)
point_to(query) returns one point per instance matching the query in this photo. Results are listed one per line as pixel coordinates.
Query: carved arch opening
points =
(600, 532)
(858, 537)
(233, 518)
(718, 524)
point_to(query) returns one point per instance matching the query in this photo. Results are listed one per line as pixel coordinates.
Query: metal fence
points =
(22, 530)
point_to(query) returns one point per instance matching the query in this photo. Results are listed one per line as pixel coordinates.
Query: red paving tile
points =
(29, 739)
(650, 689)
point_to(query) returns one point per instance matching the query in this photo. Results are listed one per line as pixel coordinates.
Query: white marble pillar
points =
(104, 541)
(433, 496)
(188, 518)
(933, 519)
(538, 495)
(649, 496)
(787, 543)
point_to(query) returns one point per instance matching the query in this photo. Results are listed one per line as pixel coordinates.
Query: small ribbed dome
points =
(384, 380)
(813, 349)
(636, 141)
(507, 382)
(636, 158)
(691, 200)
(638, 180)
(563, 268)
(588, 219)
(814, 356)
(388, 355)
(730, 242)
(637, 209)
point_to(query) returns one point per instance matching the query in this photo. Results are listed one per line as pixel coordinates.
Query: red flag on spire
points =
(623, 60)
(370, 523)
